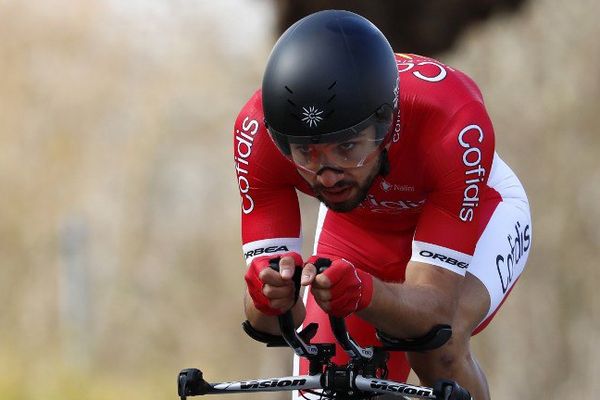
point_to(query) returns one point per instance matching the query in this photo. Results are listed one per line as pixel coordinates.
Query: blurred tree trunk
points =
(416, 26)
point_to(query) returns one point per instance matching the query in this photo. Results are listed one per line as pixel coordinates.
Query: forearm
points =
(266, 323)
(408, 310)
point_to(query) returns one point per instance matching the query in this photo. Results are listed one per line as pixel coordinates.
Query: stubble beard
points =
(353, 202)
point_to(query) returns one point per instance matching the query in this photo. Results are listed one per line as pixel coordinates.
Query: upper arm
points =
(458, 165)
(269, 204)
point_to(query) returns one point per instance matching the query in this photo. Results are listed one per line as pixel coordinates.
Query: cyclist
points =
(423, 223)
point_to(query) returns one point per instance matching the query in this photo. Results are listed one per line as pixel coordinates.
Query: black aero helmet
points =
(329, 76)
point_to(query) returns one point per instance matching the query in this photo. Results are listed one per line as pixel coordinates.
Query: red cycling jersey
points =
(436, 198)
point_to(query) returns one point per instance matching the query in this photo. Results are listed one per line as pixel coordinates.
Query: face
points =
(342, 190)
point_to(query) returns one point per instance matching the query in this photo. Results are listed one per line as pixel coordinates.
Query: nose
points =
(329, 177)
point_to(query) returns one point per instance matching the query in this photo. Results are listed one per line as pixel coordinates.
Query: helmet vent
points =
(332, 85)
(289, 90)
(291, 102)
(331, 99)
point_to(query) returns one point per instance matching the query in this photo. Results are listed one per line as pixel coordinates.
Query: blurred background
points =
(120, 256)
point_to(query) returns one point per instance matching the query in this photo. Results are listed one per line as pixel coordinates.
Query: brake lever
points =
(286, 320)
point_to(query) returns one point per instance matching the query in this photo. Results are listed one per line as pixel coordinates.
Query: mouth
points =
(337, 194)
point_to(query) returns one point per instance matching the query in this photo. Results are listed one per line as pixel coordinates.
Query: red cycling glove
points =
(351, 288)
(255, 285)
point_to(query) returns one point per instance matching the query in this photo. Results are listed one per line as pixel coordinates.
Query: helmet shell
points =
(329, 71)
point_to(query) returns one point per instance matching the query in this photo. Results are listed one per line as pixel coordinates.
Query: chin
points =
(345, 206)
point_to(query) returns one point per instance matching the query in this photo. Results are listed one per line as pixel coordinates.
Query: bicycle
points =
(363, 377)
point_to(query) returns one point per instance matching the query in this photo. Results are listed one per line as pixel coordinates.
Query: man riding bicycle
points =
(422, 221)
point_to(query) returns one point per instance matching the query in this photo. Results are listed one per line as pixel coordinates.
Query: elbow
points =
(439, 309)
(440, 312)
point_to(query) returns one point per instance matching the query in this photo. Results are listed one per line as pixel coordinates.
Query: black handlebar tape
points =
(274, 265)
(322, 264)
(286, 320)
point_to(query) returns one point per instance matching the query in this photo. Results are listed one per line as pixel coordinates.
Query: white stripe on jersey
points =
(271, 247)
(444, 257)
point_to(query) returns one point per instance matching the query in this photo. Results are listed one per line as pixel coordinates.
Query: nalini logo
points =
(386, 186)
(312, 116)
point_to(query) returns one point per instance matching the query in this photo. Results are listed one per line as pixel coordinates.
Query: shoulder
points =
(250, 116)
(257, 159)
(252, 109)
(434, 85)
(442, 116)
(435, 99)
